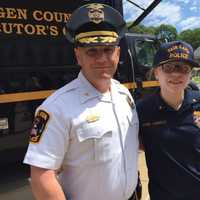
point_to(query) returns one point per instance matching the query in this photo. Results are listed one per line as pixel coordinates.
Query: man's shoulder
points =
(66, 92)
(121, 88)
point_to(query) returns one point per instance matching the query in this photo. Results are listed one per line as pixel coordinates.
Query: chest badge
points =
(93, 118)
(196, 116)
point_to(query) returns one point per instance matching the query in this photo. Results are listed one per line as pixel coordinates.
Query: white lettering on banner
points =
(21, 21)
(13, 13)
(29, 29)
(49, 16)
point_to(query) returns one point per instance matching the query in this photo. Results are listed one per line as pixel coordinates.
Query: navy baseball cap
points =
(175, 51)
(95, 24)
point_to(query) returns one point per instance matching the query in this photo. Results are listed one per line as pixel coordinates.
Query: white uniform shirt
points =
(93, 137)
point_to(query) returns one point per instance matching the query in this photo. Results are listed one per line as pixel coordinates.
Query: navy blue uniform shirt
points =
(171, 140)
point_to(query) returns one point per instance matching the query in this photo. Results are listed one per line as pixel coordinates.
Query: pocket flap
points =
(93, 132)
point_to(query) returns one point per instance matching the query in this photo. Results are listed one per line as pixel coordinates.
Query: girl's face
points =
(173, 77)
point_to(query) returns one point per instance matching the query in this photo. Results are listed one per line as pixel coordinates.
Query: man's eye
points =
(108, 50)
(91, 51)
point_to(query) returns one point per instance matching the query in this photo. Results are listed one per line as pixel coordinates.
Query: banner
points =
(32, 32)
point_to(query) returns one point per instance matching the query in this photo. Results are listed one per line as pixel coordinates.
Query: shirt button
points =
(87, 94)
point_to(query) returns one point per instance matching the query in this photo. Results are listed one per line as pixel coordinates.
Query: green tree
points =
(169, 33)
(143, 29)
(166, 32)
(191, 36)
(138, 29)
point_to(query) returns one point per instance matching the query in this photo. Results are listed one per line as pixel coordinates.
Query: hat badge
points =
(96, 13)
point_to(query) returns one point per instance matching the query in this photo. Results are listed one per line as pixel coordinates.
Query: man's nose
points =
(102, 55)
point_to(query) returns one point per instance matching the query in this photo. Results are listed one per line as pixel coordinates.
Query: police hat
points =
(95, 25)
(175, 51)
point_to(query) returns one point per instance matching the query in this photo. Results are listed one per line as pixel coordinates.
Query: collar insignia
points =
(96, 13)
(130, 102)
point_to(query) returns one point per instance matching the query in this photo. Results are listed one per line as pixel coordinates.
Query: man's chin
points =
(106, 75)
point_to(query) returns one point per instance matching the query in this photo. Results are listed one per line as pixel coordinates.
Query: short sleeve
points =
(50, 150)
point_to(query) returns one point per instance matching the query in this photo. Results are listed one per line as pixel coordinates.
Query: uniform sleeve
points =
(49, 138)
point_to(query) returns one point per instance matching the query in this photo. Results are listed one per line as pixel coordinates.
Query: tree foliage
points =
(167, 32)
(191, 36)
(143, 30)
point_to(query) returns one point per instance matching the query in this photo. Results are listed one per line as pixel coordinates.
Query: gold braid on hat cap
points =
(97, 36)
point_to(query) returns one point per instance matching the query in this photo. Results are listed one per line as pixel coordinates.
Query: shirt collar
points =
(161, 104)
(188, 100)
(117, 90)
(88, 91)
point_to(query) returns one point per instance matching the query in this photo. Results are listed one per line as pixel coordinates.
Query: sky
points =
(183, 14)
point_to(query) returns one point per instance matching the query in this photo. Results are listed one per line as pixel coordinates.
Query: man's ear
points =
(155, 71)
(119, 50)
(76, 52)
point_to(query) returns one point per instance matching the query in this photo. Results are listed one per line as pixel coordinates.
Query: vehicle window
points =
(36, 80)
(145, 51)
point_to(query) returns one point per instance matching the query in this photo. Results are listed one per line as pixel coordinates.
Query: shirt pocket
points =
(101, 140)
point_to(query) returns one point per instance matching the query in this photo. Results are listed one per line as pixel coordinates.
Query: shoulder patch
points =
(38, 127)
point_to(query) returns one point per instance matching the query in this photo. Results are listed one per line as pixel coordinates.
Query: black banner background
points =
(31, 31)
